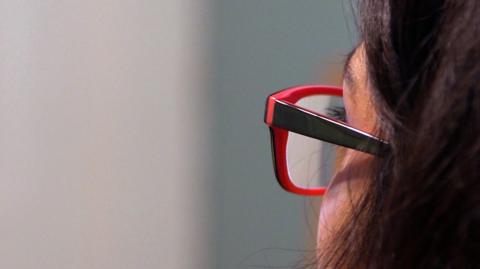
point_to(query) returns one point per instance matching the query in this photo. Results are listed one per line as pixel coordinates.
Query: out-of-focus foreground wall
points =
(99, 167)
(131, 131)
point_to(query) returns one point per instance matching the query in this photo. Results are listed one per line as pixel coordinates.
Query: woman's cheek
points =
(342, 194)
(334, 205)
(331, 213)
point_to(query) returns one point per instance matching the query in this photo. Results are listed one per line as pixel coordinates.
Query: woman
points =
(406, 192)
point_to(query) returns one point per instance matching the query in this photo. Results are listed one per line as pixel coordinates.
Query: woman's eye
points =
(337, 112)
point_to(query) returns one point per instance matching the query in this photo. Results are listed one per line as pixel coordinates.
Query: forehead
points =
(358, 95)
(354, 73)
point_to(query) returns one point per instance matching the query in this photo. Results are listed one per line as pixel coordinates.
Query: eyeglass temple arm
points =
(304, 122)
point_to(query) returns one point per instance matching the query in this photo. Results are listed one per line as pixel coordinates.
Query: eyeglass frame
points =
(282, 115)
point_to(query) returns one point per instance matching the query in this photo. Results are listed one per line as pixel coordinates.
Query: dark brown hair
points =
(422, 208)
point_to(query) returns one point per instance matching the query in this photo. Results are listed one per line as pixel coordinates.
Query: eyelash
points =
(337, 112)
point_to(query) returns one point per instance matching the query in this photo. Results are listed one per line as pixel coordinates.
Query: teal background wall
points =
(261, 46)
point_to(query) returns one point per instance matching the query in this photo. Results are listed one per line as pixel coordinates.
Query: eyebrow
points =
(347, 69)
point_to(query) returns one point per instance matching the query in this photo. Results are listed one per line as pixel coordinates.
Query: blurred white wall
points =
(103, 119)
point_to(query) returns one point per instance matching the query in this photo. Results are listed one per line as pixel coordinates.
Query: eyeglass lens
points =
(311, 162)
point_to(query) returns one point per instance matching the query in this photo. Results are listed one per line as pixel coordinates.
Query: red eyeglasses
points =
(309, 137)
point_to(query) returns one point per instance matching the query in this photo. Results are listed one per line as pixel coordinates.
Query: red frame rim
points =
(293, 94)
(280, 136)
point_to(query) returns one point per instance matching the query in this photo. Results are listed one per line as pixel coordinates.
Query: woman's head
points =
(413, 81)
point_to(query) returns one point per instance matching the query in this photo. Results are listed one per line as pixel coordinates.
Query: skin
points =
(352, 171)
